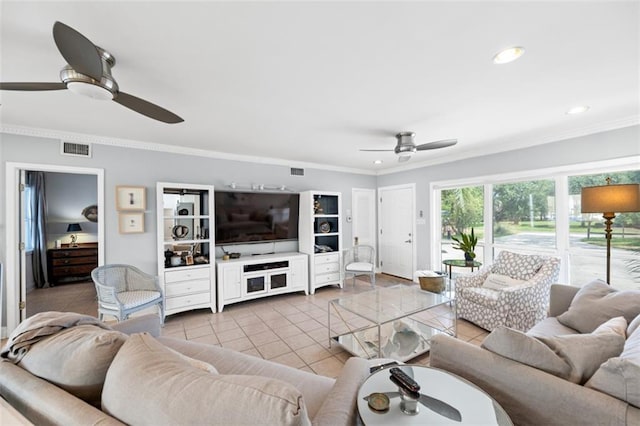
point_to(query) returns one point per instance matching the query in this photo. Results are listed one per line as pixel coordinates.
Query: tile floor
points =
(288, 329)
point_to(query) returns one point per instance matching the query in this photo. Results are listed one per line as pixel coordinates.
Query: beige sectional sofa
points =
(154, 380)
(587, 373)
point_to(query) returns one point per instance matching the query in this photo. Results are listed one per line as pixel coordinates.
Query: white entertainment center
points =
(190, 225)
(252, 277)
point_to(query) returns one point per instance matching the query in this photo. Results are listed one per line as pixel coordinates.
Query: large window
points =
(29, 224)
(524, 215)
(542, 215)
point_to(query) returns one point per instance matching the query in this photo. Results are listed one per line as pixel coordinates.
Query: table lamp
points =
(610, 199)
(74, 227)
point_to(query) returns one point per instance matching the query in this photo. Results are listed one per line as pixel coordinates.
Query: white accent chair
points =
(125, 289)
(360, 260)
(520, 306)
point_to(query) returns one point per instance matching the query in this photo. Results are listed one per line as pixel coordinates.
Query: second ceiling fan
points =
(406, 146)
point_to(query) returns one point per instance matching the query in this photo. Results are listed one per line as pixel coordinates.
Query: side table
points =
(474, 405)
(460, 263)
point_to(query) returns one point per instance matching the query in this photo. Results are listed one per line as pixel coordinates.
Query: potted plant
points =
(466, 243)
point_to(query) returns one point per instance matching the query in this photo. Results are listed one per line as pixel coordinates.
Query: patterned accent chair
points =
(520, 305)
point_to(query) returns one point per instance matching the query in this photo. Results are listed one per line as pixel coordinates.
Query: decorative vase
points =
(468, 258)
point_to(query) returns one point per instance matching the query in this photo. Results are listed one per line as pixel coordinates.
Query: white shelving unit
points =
(186, 267)
(320, 236)
(254, 277)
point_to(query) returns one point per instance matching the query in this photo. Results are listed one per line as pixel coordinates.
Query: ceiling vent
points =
(297, 172)
(75, 149)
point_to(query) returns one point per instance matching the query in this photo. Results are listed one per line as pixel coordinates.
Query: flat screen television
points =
(254, 217)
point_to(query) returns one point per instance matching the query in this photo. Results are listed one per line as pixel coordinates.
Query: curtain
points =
(39, 235)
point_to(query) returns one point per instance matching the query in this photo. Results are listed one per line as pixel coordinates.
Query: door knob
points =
(408, 241)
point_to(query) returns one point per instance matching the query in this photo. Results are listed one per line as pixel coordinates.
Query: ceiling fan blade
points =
(78, 51)
(377, 150)
(437, 144)
(403, 158)
(32, 86)
(146, 108)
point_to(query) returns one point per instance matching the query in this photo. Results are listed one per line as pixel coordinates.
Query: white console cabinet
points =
(320, 236)
(252, 277)
(185, 240)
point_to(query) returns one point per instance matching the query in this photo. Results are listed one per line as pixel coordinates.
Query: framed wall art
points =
(131, 198)
(131, 223)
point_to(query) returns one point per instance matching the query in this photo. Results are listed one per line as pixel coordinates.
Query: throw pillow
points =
(617, 325)
(596, 303)
(633, 326)
(75, 359)
(148, 384)
(585, 353)
(618, 377)
(519, 347)
(518, 266)
(499, 282)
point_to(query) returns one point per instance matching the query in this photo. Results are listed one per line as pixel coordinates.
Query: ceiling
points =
(312, 83)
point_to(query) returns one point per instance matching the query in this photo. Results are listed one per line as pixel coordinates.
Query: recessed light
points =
(508, 55)
(578, 109)
(377, 162)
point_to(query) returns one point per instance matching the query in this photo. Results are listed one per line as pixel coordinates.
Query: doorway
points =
(396, 225)
(16, 271)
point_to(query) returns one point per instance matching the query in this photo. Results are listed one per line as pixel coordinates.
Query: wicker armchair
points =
(124, 289)
(520, 306)
(360, 260)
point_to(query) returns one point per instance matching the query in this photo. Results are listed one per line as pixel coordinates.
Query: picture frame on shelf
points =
(189, 259)
(131, 223)
(131, 198)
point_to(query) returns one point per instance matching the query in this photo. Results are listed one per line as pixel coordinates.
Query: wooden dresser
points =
(69, 263)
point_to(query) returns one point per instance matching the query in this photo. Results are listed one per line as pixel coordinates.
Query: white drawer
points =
(186, 287)
(325, 268)
(186, 275)
(327, 278)
(327, 258)
(185, 301)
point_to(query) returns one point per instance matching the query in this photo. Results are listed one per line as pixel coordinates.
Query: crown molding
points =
(172, 149)
(506, 144)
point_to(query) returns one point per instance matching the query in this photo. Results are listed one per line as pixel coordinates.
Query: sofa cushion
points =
(573, 357)
(619, 377)
(482, 296)
(518, 266)
(597, 302)
(75, 359)
(149, 384)
(550, 327)
(499, 282)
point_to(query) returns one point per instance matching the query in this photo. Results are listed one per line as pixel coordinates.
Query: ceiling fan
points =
(89, 73)
(407, 146)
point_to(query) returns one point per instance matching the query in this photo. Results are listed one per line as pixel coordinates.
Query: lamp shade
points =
(74, 227)
(623, 198)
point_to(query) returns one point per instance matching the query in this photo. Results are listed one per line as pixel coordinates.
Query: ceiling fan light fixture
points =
(508, 55)
(90, 90)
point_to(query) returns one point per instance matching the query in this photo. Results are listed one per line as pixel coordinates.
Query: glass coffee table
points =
(390, 322)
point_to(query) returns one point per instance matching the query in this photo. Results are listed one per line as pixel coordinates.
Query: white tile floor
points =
(289, 329)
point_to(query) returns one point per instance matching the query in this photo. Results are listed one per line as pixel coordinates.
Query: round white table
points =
(474, 405)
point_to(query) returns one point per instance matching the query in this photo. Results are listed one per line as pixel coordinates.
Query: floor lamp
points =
(611, 199)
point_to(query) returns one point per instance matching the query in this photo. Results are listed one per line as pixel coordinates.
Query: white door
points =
(363, 204)
(397, 230)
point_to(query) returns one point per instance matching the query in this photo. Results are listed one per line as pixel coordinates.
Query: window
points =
(462, 209)
(524, 215)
